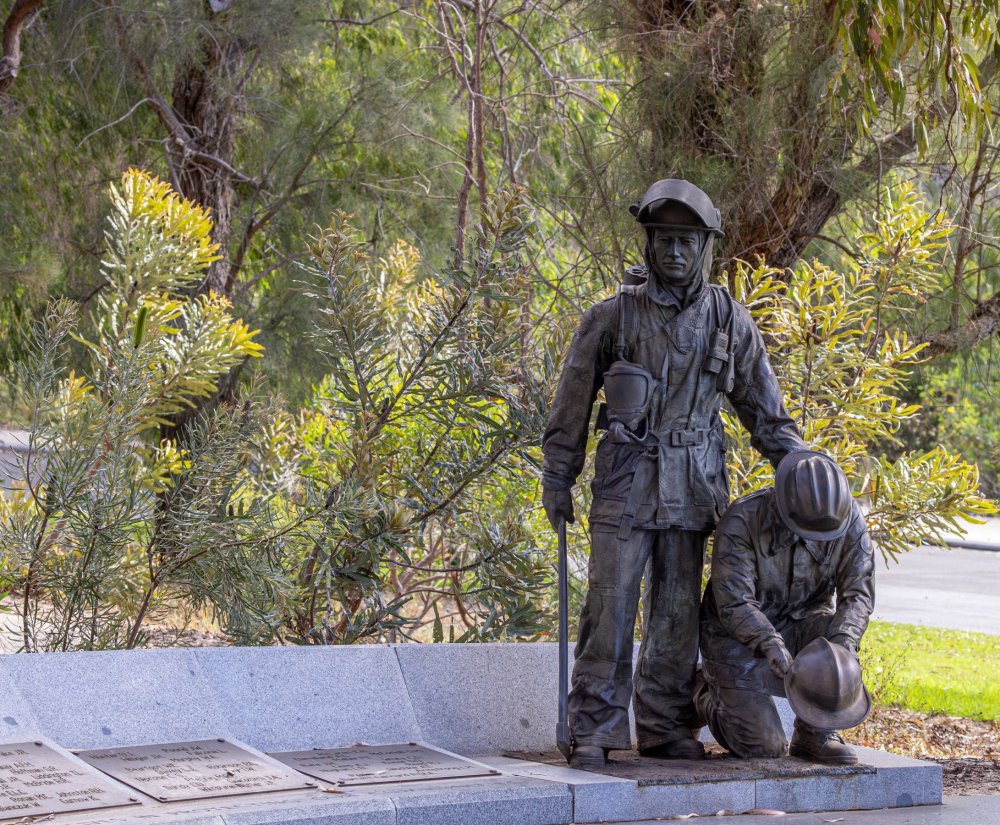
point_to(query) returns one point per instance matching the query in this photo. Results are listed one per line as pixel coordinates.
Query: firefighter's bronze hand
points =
(558, 505)
(779, 660)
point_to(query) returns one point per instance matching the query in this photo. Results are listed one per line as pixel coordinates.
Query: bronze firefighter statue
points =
(791, 576)
(667, 350)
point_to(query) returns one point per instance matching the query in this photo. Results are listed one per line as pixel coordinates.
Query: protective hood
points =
(662, 292)
(699, 205)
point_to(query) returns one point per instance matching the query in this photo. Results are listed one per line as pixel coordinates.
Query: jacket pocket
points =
(614, 469)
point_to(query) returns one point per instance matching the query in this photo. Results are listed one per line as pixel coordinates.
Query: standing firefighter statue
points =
(667, 351)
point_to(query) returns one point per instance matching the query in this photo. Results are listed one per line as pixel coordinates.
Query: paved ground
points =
(956, 810)
(954, 588)
(980, 536)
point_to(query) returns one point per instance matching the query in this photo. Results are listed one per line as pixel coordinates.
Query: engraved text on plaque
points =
(193, 770)
(36, 780)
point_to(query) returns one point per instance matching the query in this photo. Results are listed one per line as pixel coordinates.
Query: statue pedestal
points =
(475, 700)
(632, 787)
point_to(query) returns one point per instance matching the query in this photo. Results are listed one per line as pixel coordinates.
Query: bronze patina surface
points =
(36, 780)
(378, 764)
(717, 766)
(193, 770)
(667, 350)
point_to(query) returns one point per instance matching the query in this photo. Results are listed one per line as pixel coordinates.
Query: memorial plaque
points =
(375, 764)
(193, 770)
(36, 780)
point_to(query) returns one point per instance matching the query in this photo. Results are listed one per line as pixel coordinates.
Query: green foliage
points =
(111, 525)
(916, 53)
(391, 504)
(416, 440)
(835, 339)
(960, 412)
(393, 490)
(157, 245)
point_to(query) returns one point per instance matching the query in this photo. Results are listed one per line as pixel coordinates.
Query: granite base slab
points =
(498, 800)
(896, 782)
(633, 788)
(602, 798)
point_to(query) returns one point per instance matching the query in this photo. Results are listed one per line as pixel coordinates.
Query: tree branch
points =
(10, 60)
(178, 131)
(983, 323)
(353, 21)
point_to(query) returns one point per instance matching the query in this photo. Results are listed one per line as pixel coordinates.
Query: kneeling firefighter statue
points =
(666, 349)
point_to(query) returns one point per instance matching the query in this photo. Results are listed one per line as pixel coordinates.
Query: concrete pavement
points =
(984, 536)
(956, 810)
(951, 588)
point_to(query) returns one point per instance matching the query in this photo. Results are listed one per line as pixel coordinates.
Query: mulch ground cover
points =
(968, 750)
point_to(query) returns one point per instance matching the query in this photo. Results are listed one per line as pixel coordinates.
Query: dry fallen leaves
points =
(921, 735)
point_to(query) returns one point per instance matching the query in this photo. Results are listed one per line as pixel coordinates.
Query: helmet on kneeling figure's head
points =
(813, 495)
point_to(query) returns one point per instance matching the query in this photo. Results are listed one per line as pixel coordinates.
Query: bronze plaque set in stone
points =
(36, 780)
(192, 770)
(379, 764)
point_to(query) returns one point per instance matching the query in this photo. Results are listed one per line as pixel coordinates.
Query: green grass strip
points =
(932, 670)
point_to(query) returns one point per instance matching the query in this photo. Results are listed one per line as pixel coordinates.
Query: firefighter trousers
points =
(734, 697)
(602, 687)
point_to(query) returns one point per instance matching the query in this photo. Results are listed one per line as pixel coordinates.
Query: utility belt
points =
(651, 439)
(648, 462)
(682, 438)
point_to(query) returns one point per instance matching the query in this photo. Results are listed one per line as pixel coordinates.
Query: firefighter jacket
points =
(766, 579)
(676, 475)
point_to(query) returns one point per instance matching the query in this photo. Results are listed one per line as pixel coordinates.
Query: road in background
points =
(952, 588)
(984, 536)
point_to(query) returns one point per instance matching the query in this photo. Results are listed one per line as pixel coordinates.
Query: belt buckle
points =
(686, 438)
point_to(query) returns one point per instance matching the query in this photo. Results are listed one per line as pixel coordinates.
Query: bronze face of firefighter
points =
(666, 350)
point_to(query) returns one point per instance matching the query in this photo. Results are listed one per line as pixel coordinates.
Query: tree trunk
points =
(202, 168)
(199, 121)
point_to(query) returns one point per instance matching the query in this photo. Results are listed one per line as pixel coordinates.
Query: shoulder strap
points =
(620, 343)
(718, 295)
(732, 321)
(627, 321)
(727, 377)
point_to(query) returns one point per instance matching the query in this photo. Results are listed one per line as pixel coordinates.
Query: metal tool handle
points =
(562, 725)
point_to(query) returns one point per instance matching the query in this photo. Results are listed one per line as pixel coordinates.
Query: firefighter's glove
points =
(558, 505)
(779, 660)
(845, 642)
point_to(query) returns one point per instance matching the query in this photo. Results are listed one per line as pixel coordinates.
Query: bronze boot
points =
(588, 757)
(826, 746)
(685, 748)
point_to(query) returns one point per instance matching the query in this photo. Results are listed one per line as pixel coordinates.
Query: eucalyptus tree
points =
(796, 114)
